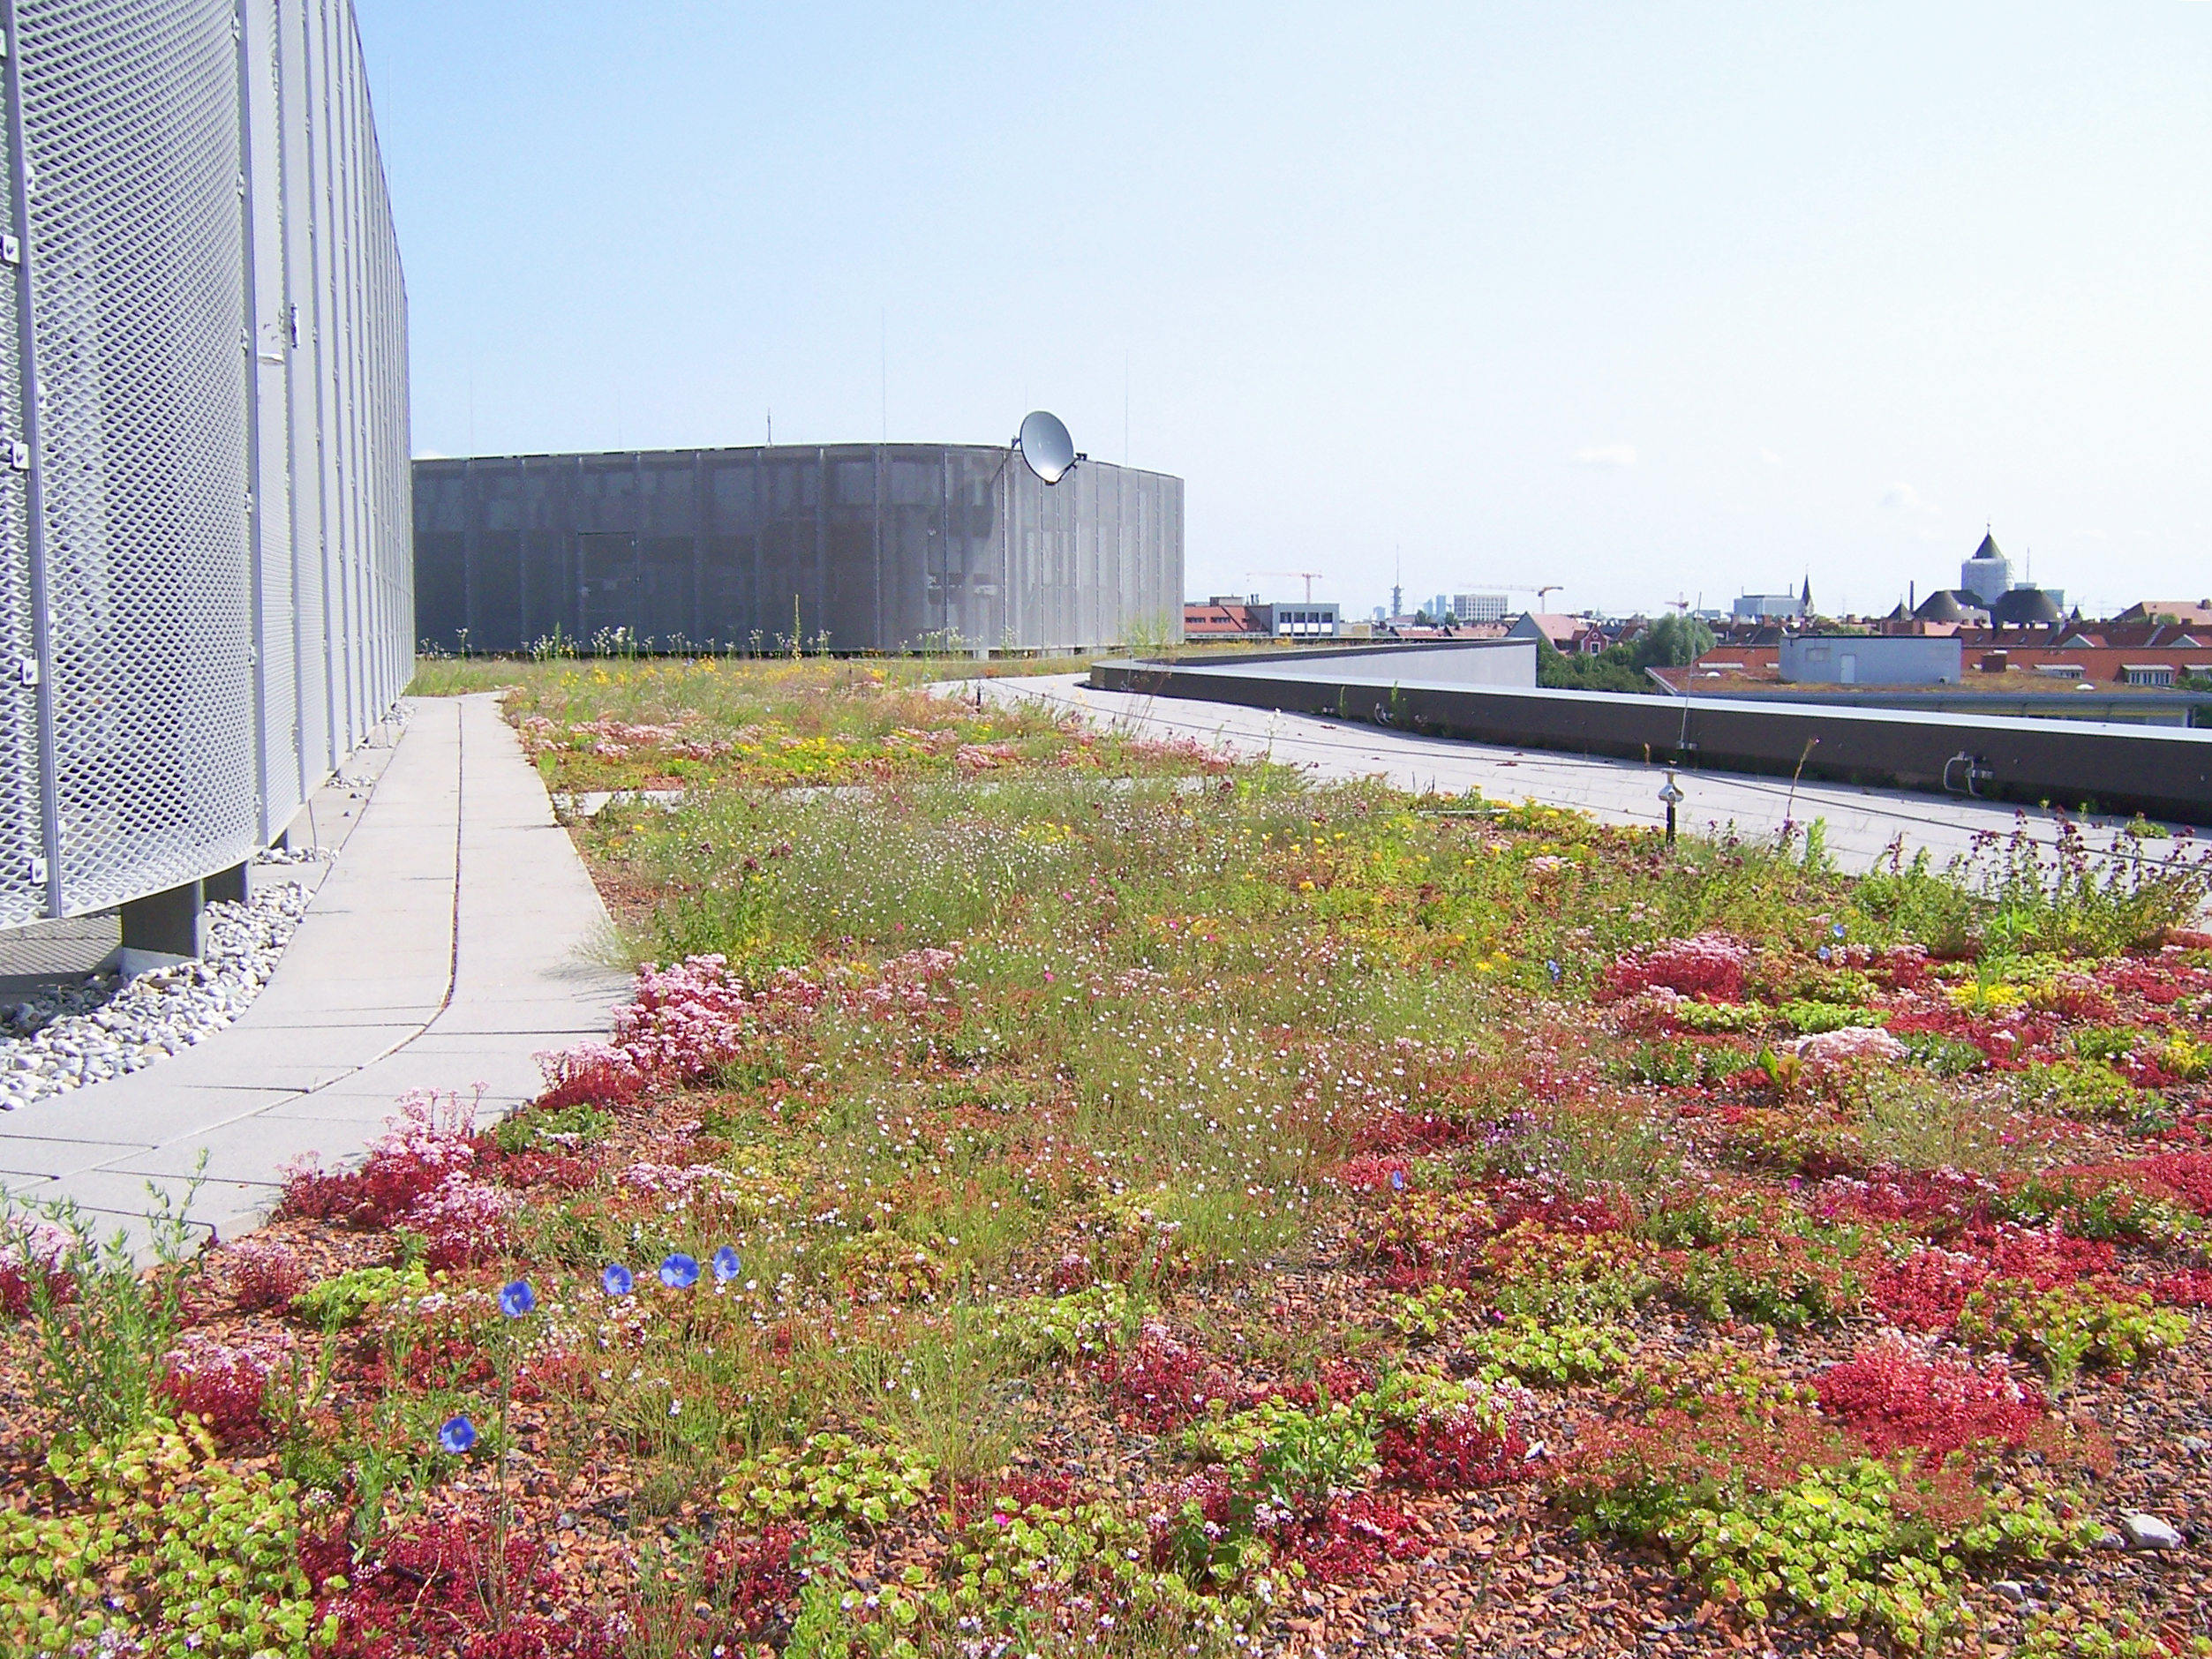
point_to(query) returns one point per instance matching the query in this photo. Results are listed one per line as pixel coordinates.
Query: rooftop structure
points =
(851, 547)
(2026, 606)
(1867, 659)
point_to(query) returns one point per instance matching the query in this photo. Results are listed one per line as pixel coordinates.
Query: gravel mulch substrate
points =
(108, 1027)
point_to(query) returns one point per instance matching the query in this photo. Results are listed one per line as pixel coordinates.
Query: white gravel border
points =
(67, 1039)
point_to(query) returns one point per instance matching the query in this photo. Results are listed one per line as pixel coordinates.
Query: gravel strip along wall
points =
(68, 1039)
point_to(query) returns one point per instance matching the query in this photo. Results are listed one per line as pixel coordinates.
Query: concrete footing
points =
(163, 928)
(233, 886)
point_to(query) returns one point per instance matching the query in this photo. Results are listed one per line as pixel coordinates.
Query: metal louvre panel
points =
(337, 225)
(329, 435)
(378, 423)
(345, 242)
(353, 270)
(129, 110)
(22, 836)
(311, 621)
(282, 784)
(352, 530)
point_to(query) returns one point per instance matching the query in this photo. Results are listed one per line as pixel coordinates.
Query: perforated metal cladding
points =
(218, 337)
(22, 893)
(350, 520)
(869, 546)
(130, 115)
(283, 777)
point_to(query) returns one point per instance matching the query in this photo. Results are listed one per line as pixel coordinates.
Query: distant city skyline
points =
(1637, 300)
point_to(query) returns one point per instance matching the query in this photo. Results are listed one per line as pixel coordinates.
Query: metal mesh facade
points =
(205, 588)
(883, 547)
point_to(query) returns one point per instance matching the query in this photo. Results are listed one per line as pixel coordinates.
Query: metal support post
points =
(1671, 792)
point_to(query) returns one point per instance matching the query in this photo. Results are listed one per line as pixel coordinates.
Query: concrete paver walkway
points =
(1859, 823)
(447, 947)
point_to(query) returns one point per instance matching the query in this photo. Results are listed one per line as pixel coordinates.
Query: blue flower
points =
(517, 1299)
(1822, 953)
(458, 1436)
(616, 1280)
(1551, 968)
(1838, 930)
(727, 1265)
(680, 1272)
(1397, 1180)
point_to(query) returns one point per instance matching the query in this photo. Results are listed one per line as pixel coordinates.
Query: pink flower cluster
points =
(1454, 1452)
(689, 1020)
(462, 1220)
(907, 984)
(1174, 751)
(1712, 965)
(33, 1250)
(1160, 1383)
(419, 1174)
(222, 1384)
(1831, 1051)
(427, 1143)
(1928, 1290)
(264, 1275)
(984, 757)
(1937, 1201)
(613, 740)
(1366, 1172)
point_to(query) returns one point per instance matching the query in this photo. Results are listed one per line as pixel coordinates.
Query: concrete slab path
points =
(449, 944)
(1860, 824)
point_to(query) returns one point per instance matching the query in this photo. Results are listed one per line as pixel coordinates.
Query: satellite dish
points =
(1045, 445)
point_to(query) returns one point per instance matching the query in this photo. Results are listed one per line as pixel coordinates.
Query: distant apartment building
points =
(1308, 619)
(1763, 607)
(1479, 607)
(1224, 616)
(1232, 617)
(1981, 660)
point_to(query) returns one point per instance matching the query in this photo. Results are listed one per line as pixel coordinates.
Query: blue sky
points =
(1643, 300)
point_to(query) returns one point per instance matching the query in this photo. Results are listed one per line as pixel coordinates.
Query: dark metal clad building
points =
(885, 547)
(204, 592)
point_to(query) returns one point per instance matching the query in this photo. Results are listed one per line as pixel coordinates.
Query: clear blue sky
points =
(1642, 299)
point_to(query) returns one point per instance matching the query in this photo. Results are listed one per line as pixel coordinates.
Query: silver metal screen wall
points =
(855, 547)
(205, 580)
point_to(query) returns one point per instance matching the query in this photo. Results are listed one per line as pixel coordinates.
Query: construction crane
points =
(1310, 577)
